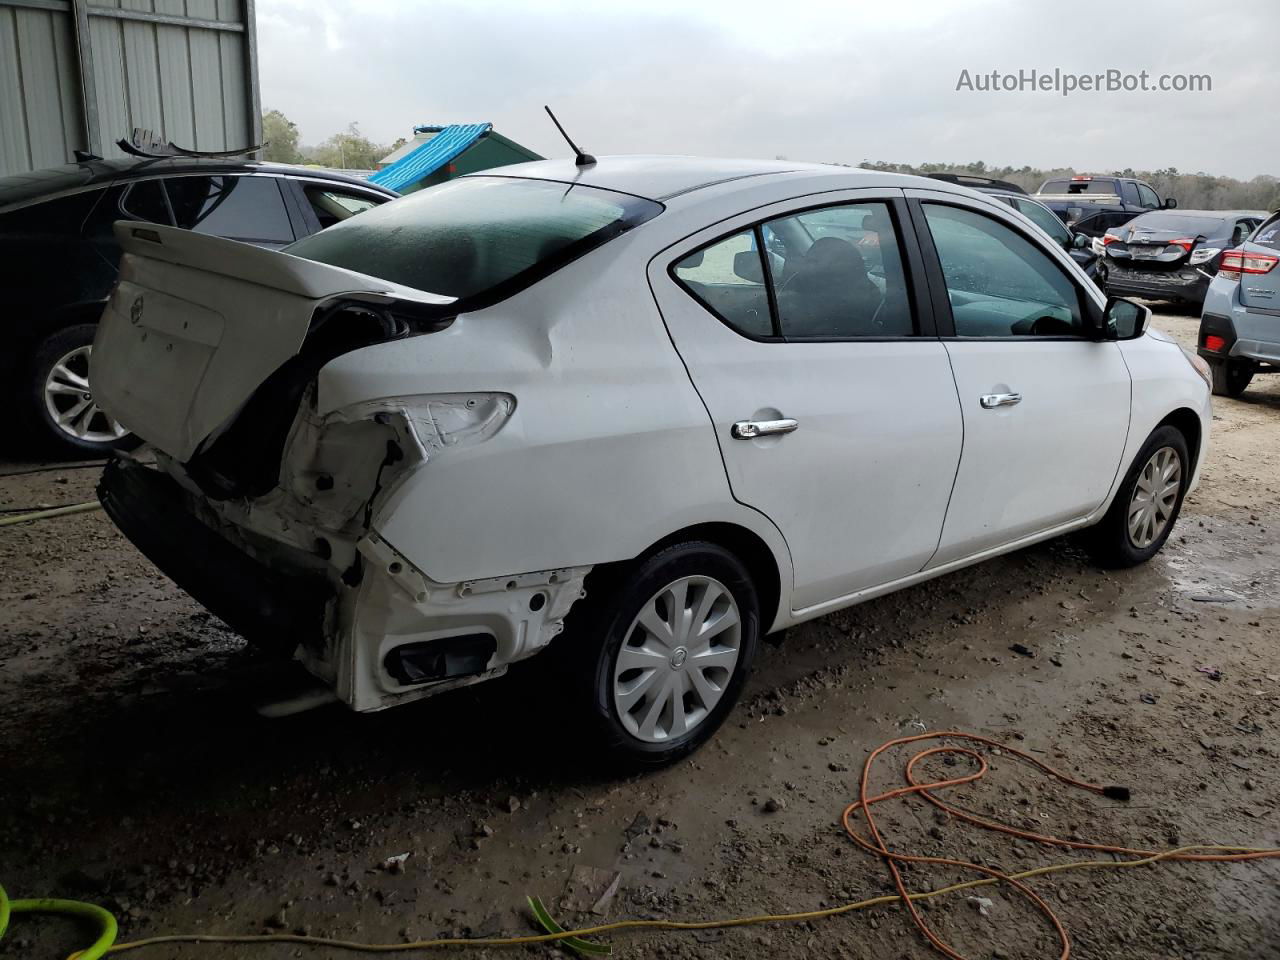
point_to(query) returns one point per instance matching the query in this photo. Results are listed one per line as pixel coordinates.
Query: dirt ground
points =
(134, 772)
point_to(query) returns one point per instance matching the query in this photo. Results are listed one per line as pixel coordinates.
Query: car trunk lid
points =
(197, 323)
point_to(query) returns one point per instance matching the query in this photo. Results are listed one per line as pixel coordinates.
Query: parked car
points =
(1077, 244)
(61, 259)
(590, 408)
(1240, 323)
(1093, 205)
(1169, 255)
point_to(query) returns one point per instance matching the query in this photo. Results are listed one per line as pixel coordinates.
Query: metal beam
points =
(171, 19)
(88, 83)
(57, 6)
(251, 69)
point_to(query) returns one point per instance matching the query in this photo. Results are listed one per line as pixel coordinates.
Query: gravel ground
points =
(134, 772)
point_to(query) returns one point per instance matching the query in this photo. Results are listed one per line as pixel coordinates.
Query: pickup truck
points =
(1093, 205)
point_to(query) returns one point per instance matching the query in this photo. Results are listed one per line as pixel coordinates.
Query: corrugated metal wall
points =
(183, 68)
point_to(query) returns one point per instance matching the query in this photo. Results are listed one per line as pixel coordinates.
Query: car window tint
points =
(838, 273)
(145, 200)
(334, 206)
(999, 283)
(728, 278)
(1045, 219)
(241, 208)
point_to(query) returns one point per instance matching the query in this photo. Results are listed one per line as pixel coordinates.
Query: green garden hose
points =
(103, 919)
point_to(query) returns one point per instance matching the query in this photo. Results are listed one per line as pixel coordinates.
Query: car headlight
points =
(1199, 365)
(1204, 255)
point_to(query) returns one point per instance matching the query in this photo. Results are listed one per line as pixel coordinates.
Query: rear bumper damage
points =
(355, 612)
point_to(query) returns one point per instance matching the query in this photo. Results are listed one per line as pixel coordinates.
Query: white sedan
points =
(638, 412)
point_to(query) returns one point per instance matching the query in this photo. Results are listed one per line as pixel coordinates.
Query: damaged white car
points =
(642, 411)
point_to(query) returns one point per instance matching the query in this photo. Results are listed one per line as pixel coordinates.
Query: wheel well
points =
(747, 547)
(1187, 423)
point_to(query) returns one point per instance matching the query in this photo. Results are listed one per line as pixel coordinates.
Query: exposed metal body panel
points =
(79, 75)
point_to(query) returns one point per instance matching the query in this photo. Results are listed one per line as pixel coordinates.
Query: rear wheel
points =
(1230, 377)
(658, 652)
(64, 413)
(1147, 504)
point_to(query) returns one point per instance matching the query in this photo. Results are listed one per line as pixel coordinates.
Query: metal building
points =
(79, 75)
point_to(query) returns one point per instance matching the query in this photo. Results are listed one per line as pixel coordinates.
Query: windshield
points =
(477, 235)
(1179, 223)
(1079, 186)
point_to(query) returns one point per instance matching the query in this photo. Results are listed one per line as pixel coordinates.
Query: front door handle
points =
(990, 401)
(746, 429)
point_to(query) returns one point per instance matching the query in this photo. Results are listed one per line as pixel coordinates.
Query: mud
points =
(134, 772)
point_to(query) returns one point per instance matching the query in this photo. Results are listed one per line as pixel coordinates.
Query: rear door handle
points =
(746, 429)
(990, 401)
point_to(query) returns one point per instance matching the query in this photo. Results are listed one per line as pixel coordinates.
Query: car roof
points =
(20, 189)
(657, 177)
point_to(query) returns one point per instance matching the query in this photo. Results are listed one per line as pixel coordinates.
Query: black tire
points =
(44, 428)
(1109, 542)
(599, 625)
(1230, 377)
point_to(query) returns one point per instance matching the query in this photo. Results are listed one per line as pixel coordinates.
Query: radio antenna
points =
(580, 158)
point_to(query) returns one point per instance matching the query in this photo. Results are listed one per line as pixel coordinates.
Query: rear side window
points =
(835, 273)
(840, 274)
(237, 207)
(1129, 192)
(145, 200)
(999, 283)
(478, 235)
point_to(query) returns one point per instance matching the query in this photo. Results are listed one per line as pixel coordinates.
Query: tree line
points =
(1193, 191)
(347, 150)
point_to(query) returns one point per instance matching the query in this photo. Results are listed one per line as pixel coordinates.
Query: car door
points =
(832, 400)
(1045, 408)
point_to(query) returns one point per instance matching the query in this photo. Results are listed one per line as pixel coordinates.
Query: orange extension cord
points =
(876, 845)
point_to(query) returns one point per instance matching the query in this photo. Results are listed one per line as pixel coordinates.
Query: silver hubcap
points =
(677, 659)
(1154, 497)
(69, 400)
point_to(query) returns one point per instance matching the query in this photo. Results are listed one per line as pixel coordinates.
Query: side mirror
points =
(746, 266)
(1124, 319)
(1081, 240)
(1170, 203)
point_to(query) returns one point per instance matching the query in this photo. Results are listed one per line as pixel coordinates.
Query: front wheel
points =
(1147, 504)
(659, 652)
(1230, 377)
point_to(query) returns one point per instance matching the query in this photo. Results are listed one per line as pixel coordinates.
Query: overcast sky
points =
(822, 80)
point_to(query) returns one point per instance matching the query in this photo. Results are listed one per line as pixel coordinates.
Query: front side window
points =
(1147, 197)
(479, 235)
(999, 283)
(836, 273)
(237, 207)
(728, 278)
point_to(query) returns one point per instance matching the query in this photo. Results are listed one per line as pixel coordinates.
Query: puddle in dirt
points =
(1216, 560)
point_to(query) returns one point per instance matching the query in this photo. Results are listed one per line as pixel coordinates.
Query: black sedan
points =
(1172, 254)
(59, 261)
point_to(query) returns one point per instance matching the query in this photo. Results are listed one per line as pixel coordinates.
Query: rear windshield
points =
(1269, 233)
(1180, 222)
(477, 236)
(1079, 186)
